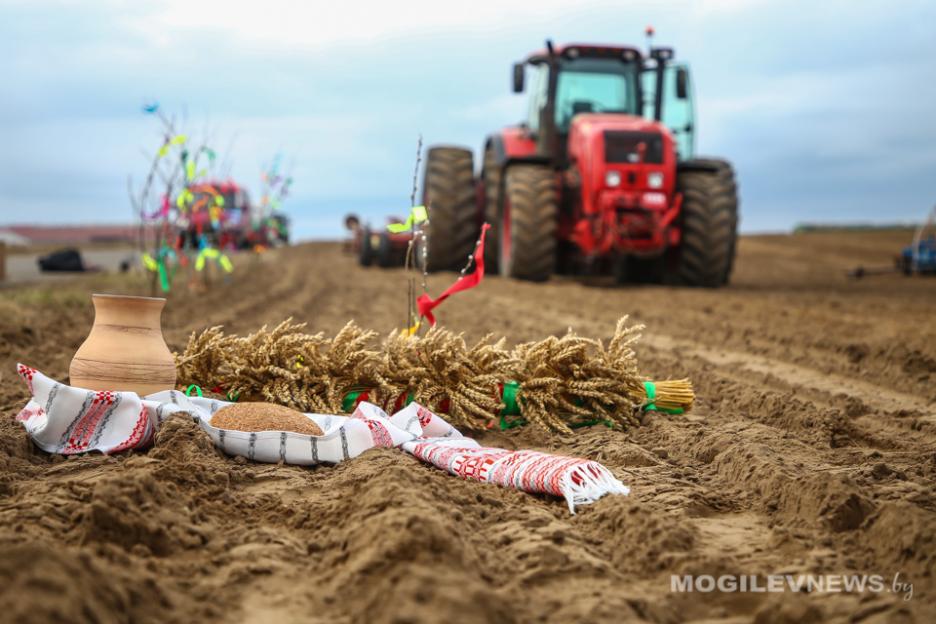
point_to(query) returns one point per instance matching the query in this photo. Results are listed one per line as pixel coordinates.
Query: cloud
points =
(321, 25)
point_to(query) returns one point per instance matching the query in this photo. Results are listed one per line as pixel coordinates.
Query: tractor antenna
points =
(550, 48)
(649, 32)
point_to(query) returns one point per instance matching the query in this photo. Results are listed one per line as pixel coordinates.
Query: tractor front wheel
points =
(529, 215)
(449, 195)
(709, 223)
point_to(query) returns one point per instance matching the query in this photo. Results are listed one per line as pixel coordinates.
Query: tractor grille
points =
(621, 147)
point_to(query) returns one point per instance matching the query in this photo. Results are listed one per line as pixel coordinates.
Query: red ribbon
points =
(425, 303)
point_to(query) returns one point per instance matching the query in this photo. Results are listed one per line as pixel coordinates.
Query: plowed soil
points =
(812, 449)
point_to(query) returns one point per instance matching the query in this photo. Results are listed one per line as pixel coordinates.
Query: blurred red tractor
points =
(381, 246)
(601, 177)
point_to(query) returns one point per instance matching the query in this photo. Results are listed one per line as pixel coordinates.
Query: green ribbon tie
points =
(188, 391)
(509, 397)
(349, 401)
(511, 407)
(650, 388)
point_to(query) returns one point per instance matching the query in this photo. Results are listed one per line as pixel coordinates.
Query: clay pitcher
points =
(125, 349)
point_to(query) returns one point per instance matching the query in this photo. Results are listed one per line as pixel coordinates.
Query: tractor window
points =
(539, 86)
(594, 85)
(678, 112)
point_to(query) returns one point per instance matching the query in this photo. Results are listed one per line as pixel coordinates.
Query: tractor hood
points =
(590, 124)
(599, 138)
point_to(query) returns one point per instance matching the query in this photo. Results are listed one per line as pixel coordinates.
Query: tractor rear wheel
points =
(709, 223)
(387, 256)
(491, 175)
(366, 250)
(449, 195)
(529, 214)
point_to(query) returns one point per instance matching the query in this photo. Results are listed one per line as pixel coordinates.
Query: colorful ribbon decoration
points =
(425, 304)
(185, 197)
(418, 214)
(178, 139)
(158, 265)
(161, 213)
(210, 253)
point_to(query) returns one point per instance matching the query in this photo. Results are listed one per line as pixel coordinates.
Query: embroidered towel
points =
(67, 420)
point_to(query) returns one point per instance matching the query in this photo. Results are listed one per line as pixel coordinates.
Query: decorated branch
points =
(190, 219)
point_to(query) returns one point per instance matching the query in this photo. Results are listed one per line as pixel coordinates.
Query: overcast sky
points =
(826, 108)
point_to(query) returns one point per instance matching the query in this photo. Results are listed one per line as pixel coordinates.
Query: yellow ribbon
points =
(184, 198)
(211, 253)
(149, 262)
(410, 331)
(418, 214)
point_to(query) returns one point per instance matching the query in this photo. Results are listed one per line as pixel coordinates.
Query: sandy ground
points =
(812, 449)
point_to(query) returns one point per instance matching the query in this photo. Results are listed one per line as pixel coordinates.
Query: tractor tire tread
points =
(491, 176)
(534, 213)
(709, 225)
(450, 198)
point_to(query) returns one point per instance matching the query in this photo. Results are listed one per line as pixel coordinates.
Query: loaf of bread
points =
(263, 417)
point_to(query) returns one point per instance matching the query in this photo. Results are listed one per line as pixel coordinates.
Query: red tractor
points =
(601, 177)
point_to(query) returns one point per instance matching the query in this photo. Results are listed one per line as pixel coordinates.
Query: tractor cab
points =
(577, 79)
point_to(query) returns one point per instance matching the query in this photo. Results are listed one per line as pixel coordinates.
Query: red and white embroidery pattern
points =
(473, 467)
(424, 416)
(578, 480)
(27, 413)
(27, 374)
(86, 424)
(379, 433)
(140, 435)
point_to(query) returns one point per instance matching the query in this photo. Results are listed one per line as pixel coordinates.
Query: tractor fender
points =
(513, 144)
(710, 165)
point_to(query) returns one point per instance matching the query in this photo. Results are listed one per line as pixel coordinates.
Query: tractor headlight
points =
(655, 179)
(613, 178)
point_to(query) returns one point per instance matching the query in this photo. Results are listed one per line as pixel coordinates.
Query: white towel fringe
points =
(594, 481)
